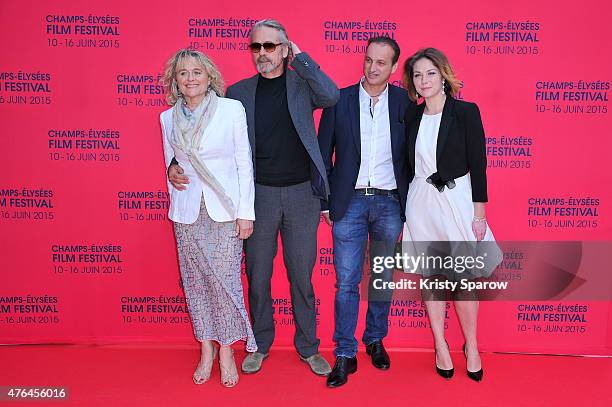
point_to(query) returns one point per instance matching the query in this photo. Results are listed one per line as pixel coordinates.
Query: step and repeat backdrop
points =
(87, 253)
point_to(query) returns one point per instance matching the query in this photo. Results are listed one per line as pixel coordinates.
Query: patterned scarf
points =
(188, 136)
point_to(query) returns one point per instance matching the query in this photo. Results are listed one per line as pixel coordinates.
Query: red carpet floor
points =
(161, 376)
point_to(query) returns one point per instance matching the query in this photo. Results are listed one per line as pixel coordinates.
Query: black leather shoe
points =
(445, 373)
(342, 368)
(476, 376)
(380, 357)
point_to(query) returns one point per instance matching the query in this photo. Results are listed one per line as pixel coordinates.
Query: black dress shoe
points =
(342, 368)
(380, 357)
(476, 376)
(445, 373)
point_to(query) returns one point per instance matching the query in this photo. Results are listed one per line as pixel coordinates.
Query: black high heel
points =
(476, 376)
(445, 373)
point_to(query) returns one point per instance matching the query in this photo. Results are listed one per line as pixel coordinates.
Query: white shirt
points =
(426, 144)
(376, 168)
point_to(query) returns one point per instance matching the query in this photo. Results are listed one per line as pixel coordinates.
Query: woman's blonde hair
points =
(168, 80)
(452, 85)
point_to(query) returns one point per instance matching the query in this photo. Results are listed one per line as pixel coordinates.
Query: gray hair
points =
(282, 33)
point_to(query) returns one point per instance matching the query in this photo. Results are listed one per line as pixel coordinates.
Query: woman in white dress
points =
(447, 195)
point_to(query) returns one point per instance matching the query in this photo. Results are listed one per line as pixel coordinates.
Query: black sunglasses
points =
(255, 47)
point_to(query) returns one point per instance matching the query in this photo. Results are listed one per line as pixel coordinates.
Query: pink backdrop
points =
(87, 254)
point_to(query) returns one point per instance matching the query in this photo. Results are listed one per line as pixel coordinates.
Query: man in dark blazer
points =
(369, 184)
(290, 181)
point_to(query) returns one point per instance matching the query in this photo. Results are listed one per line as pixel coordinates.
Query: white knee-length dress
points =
(432, 215)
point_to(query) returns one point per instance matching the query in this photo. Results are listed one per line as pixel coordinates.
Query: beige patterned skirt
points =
(210, 254)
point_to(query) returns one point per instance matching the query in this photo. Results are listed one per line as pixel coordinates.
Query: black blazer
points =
(339, 133)
(460, 148)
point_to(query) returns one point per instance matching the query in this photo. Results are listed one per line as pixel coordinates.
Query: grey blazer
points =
(308, 88)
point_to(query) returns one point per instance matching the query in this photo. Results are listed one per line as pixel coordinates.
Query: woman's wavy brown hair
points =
(452, 85)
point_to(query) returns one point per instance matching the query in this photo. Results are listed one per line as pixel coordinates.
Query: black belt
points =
(376, 191)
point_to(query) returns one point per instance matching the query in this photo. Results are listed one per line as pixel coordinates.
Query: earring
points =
(417, 95)
(443, 86)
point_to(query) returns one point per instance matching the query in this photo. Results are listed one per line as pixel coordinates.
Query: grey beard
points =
(267, 67)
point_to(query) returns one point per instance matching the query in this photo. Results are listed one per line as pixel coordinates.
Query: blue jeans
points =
(379, 217)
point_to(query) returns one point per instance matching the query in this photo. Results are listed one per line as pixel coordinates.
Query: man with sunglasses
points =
(290, 181)
(369, 180)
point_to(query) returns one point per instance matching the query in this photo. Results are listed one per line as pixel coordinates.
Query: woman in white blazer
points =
(213, 212)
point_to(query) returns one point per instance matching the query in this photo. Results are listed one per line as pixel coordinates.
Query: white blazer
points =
(226, 152)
